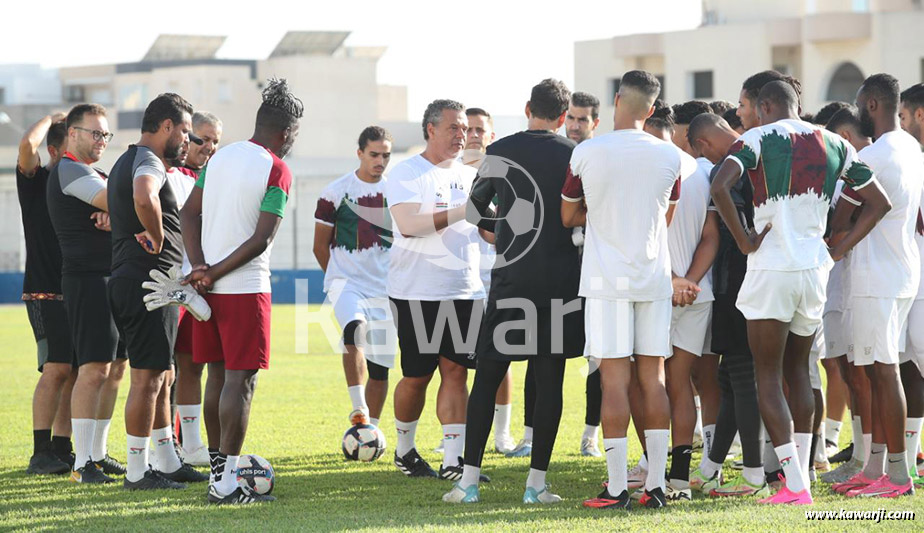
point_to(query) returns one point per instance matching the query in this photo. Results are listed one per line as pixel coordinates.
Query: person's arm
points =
(706, 250)
(875, 206)
(85, 184)
(674, 198)
(267, 225)
(146, 197)
(191, 228)
(29, 158)
(410, 222)
(729, 174)
(573, 206)
(323, 236)
(479, 211)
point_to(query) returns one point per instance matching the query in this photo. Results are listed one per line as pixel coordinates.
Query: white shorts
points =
(914, 339)
(707, 341)
(836, 333)
(615, 329)
(877, 330)
(381, 336)
(796, 297)
(689, 326)
(815, 355)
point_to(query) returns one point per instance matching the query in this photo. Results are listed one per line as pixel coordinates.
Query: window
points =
(861, 6)
(782, 69)
(2, 95)
(133, 97)
(614, 88)
(702, 85)
(73, 94)
(224, 91)
(845, 82)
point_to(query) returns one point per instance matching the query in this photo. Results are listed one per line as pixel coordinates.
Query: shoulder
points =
(336, 187)
(408, 169)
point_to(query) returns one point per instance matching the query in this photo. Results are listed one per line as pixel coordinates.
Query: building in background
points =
(830, 45)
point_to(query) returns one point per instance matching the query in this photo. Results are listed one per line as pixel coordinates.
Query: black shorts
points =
(52, 332)
(149, 335)
(560, 336)
(93, 332)
(420, 359)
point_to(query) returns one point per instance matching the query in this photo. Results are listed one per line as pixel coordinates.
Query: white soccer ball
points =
(363, 442)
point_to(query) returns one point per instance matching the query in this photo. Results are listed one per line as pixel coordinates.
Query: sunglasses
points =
(97, 135)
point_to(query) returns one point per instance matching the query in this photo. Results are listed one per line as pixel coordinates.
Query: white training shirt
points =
(686, 229)
(182, 182)
(627, 178)
(359, 251)
(887, 263)
(838, 278)
(444, 265)
(240, 181)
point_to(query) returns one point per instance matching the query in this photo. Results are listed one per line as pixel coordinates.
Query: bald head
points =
(710, 136)
(637, 92)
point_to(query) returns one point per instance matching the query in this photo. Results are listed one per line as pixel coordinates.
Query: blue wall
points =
(283, 286)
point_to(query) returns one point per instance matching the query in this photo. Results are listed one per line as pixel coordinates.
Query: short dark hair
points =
(780, 93)
(827, 112)
(755, 83)
(644, 82)
(807, 117)
(57, 133)
(846, 116)
(76, 114)
(701, 123)
(731, 116)
(582, 99)
(434, 113)
(479, 112)
(166, 106)
(685, 113)
(662, 118)
(884, 88)
(280, 109)
(913, 97)
(372, 134)
(719, 107)
(549, 99)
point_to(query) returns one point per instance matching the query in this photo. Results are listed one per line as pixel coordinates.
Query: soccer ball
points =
(255, 473)
(363, 442)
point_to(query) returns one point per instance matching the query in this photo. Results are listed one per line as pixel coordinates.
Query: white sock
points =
(100, 440)
(832, 430)
(527, 433)
(821, 453)
(374, 422)
(912, 441)
(875, 467)
(771, 461)
(164, 452)
(708, 434)
(590, 432)
(859, 451)
(656, 442)
(708, 468)
(867, 446)
(137, 457)
(470, 476)
(190, 427)
(228, 482)
(753, 475)
(792, 469)
(83, 430)
(698, 428)
(406, 433)
(358, 397)
(804, 449)
(642, 463)
(453, 444)
(536, 479)
(502, 422)
(616, 459)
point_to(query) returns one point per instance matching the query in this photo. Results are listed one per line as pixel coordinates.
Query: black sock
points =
(773, 477)
(680, 462)
(814, 449)
(41, 440)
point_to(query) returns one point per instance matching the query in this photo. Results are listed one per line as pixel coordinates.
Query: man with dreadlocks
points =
(241, 197)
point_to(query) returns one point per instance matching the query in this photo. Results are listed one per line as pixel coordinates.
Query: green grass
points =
(298, 417)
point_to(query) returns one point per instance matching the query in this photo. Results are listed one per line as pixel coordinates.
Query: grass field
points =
(298, 418)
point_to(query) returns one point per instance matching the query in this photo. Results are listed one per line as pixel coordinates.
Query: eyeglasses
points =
(97, 135)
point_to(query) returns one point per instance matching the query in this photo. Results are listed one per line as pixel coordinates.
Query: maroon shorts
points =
(184, 333)
(238, 333)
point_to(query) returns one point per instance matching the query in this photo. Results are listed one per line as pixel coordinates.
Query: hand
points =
(200, 278)
(167, 289)
(753, 241)
(147, 242)
(101, 221)
(685, 292)
(58, 117)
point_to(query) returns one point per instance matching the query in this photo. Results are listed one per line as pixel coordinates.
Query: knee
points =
(117, 370)
(884, 374)
(94, 374)
(453, 375)
(56, 375)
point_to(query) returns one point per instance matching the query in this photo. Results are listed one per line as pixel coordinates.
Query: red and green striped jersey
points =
(793, 167)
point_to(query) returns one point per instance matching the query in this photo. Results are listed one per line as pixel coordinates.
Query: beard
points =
(172, 151)
(867, 127)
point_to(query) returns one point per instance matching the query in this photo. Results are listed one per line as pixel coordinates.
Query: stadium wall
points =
(284, 286)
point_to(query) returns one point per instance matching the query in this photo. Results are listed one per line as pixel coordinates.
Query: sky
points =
(483, 53)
